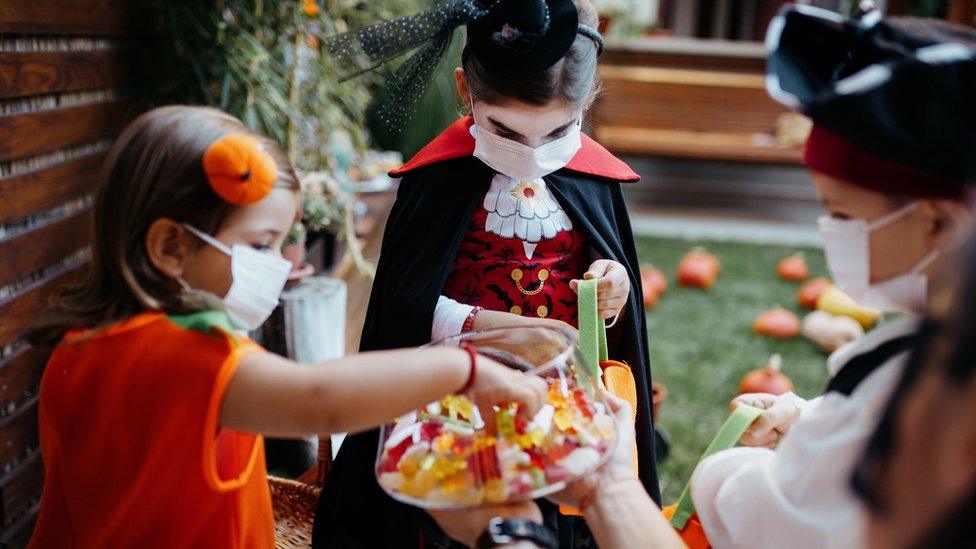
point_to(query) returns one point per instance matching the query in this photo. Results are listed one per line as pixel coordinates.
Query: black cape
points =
(428, 222)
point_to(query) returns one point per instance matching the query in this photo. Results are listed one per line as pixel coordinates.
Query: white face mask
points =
(258, 279)
(522, 162)
(847, 247)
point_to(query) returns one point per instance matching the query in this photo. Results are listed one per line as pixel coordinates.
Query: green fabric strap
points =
(592, 329)
(733, 428)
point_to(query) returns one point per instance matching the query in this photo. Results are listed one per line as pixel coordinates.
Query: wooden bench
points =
(687, 98)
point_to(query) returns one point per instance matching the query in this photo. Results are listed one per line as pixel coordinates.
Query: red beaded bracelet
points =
(469, 321)
(474, 366)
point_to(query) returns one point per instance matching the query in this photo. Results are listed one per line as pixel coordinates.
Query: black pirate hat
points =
(892, 101)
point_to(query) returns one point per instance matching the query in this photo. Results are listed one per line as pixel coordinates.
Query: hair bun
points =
(239, 170)
(523, 37)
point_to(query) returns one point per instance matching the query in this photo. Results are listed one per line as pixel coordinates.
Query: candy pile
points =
(441, 456)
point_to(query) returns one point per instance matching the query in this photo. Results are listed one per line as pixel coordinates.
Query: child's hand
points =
(495, 383)
(612, 288)
(780, 413)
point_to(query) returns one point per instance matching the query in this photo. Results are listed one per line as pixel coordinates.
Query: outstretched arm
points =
(276, 396)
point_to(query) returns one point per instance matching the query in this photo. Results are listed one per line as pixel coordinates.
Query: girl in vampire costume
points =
(495, 221)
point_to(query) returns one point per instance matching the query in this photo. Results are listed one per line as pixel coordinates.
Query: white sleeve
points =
(449, 317)
(803, 405)
(799, 495)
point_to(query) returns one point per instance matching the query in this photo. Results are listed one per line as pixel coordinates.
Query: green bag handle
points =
(733, 428)
(592, 328)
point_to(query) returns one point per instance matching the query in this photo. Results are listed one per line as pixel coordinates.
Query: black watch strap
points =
(501, 531)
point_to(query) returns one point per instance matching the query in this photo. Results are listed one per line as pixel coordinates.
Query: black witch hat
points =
(902, 90)
(510, 37)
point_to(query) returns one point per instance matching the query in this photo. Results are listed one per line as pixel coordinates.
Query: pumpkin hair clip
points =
(239, 170)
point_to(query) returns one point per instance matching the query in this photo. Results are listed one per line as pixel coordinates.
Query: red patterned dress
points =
(519, 254)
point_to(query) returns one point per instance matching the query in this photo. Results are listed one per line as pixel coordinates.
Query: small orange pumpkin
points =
(699, 268)
(767, 380)
(793, 268)
(777, 323)
(239, 170)
(810, 291)
(653, 285)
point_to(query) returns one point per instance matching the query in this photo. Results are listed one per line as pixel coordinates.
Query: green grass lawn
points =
(702, 342)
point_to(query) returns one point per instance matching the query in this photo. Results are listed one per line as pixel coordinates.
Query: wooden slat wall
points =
(65, 93)
(67, 17)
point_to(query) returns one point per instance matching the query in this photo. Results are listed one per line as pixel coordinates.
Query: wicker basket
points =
(294, 501)
(294, 510)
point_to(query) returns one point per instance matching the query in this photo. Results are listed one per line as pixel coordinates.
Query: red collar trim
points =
(456, 142)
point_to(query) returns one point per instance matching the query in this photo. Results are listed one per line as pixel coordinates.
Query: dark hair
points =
(154, 170)
(572, 80)
(947, 347)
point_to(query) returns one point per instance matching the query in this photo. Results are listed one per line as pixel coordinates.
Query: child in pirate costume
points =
(892, 150)
(495, 221)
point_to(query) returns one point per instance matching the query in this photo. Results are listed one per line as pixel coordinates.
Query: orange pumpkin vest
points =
(133, 452)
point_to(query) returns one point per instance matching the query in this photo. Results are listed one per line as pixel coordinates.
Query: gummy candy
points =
(495, 490)
(582, 403)
(444, 466)
(430, 429)
(455, 483)
(410, 462)
(392, 456)
(563, 419)
(505, 423)
(538, 477)
(443, 443)
(440, 455)
(458, 406)
(484, 464)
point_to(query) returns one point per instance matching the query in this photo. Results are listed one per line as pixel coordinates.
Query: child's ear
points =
(462, 86)
(946, 216)
(168, 245)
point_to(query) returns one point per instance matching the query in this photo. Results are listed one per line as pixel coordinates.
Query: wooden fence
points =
(65, 88)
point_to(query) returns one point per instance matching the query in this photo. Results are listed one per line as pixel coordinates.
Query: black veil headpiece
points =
(511, 37)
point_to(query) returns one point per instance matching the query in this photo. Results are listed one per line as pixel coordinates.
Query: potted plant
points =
(263, 61)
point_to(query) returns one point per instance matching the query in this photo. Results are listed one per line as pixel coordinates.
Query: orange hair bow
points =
(239, 170)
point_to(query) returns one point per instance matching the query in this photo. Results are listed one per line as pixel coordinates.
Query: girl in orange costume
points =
(153, 405)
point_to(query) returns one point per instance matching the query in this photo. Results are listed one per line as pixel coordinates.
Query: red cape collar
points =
(456, 142)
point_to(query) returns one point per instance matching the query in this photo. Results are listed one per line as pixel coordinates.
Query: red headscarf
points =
(833, 155)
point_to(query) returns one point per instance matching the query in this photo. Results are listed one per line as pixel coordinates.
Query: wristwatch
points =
(502, 531)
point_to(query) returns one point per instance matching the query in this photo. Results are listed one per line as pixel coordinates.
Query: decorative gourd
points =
(777, 323)
(793, 268)
(699, 268)
(653, 285)
(837, 303)
(767, 380)
(810, 291)
(830, 332)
